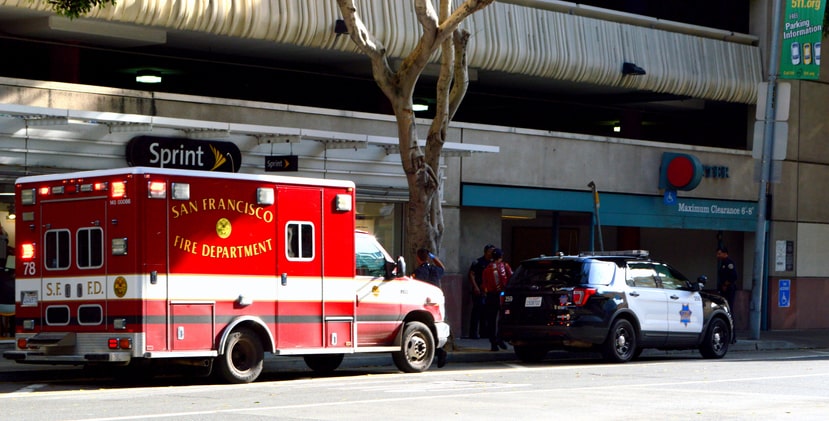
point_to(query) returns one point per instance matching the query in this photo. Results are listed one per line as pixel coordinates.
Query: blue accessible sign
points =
(669, 199)
(784, 293)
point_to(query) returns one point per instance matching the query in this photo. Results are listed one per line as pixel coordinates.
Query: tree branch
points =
(460, 39)
(370, 46)
(468, 7)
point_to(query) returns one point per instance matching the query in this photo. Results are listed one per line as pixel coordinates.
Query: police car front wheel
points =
(717, 338)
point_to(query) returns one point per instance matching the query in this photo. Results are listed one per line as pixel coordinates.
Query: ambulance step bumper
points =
(29, 357)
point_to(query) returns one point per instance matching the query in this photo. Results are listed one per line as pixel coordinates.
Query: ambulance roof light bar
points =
(118, 190)
(181, 191)
(342, 203)
(28, 196)
(156, 189)
(265, 196)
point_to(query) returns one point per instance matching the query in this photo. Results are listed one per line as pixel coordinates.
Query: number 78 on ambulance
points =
(149, 266)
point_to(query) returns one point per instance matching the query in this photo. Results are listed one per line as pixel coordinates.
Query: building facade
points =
(563, 98)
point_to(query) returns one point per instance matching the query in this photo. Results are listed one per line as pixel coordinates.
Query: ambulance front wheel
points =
(417, 350)
(243, 358)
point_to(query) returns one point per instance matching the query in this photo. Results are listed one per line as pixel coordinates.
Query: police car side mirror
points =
(700, 284)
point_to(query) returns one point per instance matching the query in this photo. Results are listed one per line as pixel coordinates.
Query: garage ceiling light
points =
(148, 76)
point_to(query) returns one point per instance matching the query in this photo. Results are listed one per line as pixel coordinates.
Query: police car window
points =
(90, 245)
(600, 272)
(641, 275)
(299, 241)
(670, 278)
(551, 274)
(370, 260)
(57, 249)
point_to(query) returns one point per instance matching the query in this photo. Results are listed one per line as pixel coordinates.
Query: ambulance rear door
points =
(74, 272)
(299, 314)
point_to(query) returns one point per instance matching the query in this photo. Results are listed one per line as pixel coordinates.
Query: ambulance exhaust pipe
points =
(206, 362)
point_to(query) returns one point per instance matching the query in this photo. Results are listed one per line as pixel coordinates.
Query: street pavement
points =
(478, 350)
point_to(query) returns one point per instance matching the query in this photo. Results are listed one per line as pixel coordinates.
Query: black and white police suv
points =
(618, 303)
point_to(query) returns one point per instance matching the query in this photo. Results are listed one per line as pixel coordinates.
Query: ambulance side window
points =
(299, 240)
(56, 250)
(370, 260)
(90, 247)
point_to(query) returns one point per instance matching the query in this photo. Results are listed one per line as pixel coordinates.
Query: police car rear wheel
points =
(417, 350)
(620, 345)
(243, 359)
(717, 338)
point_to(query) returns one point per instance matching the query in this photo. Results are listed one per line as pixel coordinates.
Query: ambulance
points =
(138, 265)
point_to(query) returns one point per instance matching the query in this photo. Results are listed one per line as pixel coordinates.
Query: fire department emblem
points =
(120, 287)
(223, 228)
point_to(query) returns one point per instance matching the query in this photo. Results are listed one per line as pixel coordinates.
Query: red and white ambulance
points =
(142, 264)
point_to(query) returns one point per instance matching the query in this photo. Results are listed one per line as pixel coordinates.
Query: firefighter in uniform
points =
(430, 269)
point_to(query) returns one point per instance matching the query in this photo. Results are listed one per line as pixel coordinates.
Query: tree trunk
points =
(424, 215)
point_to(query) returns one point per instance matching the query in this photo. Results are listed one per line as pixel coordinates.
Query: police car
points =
(617, 303)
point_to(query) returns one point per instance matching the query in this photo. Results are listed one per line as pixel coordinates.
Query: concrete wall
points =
(531, 158)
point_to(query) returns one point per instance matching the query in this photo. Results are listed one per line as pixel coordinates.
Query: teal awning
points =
(624, 210)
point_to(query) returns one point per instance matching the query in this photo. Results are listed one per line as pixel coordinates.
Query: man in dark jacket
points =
(726, 276)
(477, 322)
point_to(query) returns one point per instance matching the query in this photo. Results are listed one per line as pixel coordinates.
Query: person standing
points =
(495, 278)
(477, 322)
(430, 269)
(726, 276)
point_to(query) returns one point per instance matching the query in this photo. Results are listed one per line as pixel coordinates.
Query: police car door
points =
(684, 306)
(647, 301)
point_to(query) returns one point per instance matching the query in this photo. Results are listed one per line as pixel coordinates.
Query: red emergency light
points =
(27, 251)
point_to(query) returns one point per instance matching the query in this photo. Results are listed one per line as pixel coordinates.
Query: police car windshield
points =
(563, 273)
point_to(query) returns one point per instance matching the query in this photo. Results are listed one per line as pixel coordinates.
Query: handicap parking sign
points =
(669, 198)
(784, 296)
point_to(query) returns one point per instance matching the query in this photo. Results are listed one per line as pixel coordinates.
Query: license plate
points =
(28, 298)
(532, 302)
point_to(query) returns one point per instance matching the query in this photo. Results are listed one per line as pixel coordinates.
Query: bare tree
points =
(424, 219)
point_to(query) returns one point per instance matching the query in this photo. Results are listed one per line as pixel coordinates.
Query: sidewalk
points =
(769, 341)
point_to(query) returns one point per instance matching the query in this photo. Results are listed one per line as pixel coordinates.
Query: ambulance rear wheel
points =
(417, 350)
(243, 358)
(323, 363)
